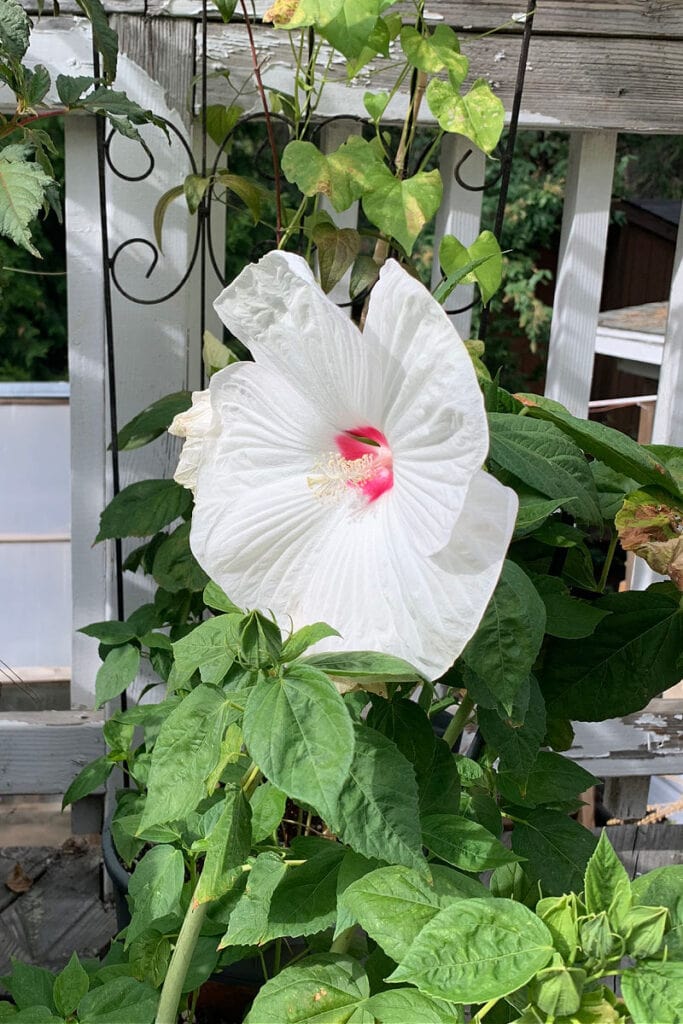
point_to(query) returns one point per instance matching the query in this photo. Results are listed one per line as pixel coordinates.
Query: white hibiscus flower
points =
(339, 475)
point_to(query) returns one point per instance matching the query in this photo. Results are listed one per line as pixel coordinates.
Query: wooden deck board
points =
(61, 912)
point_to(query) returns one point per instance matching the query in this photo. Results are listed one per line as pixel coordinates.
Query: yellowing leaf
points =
(401, 209)
(478, 115)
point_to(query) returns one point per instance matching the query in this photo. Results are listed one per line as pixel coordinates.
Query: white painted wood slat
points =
(668, 424)
(579, 276)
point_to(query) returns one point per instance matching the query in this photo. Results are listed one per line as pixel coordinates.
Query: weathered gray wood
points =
(60, 914)
(649, 742)
(33, 861)
(592, 82)
(626, 797)
(579, 277)
(48, 691)
(41, 752)
(643, 848)
(164, 47)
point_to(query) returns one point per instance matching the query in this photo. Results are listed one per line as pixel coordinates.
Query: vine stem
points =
(269, 123)
(167, 1013)
(608, 561)
(343, 940)
(459, 720)
(484, 1010)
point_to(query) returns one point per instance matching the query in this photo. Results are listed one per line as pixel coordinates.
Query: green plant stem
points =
(172, 989)
(459, 721)
(484, 1010)
(608, 561)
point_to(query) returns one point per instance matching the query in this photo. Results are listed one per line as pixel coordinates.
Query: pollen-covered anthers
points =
(333, 476)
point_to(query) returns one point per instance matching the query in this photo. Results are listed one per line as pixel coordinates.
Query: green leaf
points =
(305, 901)
(104, 37)
(110, 632)
(227, 847)
(22, 191)
(618, 451)
(118, 1001)
(464, 843)
(260, 641)
(324, 988)
(607, 885)
(406, 724)
(211, 647)
(434, 52)
(560, 915)
(304, 638)
(155, 888)
(71, 88)
(556, 847)
(186, 752)
(299, 732)
(644, 929)
(438, 779)
(226, 9)
(557, 990)
(250, 194)
(478, 115)
(544, 458)
(337, 249)
(248, 922)
(353, 27)
(551, 779)
(15, 29)
(143, 508)
(663, 887)
(215, 355)
(357, 664)
(29, 986)
(484, 252)
(509, 637)
(392, 904)
(534, 509)
(476, 950)
(214, 597)
(116, 673)
(376, 813)
(220, 120)
(364, 274)
(88, 780)
(632, 655)
(267, 809)
(175, 567)
(401, 208)
(38, 83)
(375, 103)
(653, 991)
(160, 211)
(408, 1006)
(516, 744)
(149, 956)
(153, 421)
(340, 175)
(566, 616)
(71, 984)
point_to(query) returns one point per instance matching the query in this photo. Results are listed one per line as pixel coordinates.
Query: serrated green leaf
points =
(15, 29)
(509, 637)
(618, 451)
(248, 922)
(186, 752)
(324, 987)
(607, 886)
(29, 986)
(118, 1000)
(305, 901)
(149, 956)
(22, 191)
(476, 950)
(116, 673)
(304, 638)
(516, 744)
(376, 812)
(567, 617)
(541, 456)
(174, 567)
(632, 655)
(227, 847)
(71, 984)
(551, 779)
(105, 38)
(357, 664)
(463, 843)
(211, 647)
(299, 732)
(556, 848)
(267, 809)
(392, 904)
(654, 991)
(71, 88)
(88, 780)
(143, 508)
(155, 889)
(478, 115)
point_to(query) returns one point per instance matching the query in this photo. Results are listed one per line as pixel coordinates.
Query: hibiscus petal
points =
(433, 414)
(278, 311)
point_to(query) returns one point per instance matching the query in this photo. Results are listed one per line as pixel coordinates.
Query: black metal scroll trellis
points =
(203, 249)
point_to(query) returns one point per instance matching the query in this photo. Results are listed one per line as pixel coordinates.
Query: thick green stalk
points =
(167, 1012)
(459, 720)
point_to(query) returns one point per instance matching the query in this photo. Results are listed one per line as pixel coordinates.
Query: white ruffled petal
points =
(194, 425)
(278, 311)
(433, 415)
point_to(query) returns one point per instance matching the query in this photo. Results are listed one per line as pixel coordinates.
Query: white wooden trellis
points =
(567, 88)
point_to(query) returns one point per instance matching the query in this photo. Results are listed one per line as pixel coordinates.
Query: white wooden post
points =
(668, 423)
(579, 276)
(459, 215)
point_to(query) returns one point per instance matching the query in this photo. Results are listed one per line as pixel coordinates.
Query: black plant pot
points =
(118, 875)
